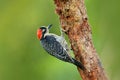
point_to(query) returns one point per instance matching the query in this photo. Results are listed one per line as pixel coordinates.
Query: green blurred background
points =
(23, 58)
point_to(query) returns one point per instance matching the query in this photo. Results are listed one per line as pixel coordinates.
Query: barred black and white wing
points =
(54, 48)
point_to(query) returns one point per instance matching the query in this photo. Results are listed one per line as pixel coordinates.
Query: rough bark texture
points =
(74, 21)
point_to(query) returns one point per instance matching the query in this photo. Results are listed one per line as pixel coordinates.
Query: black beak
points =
(49, 26)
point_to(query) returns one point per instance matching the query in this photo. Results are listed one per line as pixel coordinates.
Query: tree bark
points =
(74, 21)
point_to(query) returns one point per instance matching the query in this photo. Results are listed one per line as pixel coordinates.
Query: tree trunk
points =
(74, 21)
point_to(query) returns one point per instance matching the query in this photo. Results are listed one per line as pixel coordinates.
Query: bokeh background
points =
(23, 58)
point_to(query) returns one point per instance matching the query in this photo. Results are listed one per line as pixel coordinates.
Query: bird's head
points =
(42, 31)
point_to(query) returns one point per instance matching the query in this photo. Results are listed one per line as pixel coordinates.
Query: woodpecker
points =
(56, 45)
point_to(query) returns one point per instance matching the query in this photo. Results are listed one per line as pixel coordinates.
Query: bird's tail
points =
(78, 64)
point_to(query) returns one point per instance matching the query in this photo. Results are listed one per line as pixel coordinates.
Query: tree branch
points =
(74, 20)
